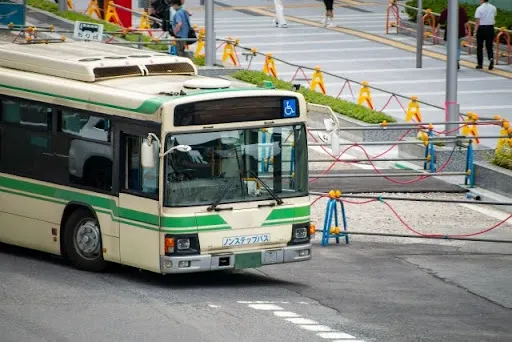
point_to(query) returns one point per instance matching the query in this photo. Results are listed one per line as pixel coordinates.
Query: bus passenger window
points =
(138, 178)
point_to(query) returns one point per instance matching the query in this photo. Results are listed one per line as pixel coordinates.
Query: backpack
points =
(162, 12)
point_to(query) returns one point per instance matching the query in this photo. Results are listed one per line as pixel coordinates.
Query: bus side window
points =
(138, 178)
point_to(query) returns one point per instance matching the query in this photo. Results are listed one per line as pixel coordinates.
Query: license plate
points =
(245, 240)
(270, 257)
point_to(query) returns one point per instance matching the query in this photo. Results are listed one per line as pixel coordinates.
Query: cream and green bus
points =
(115, 155)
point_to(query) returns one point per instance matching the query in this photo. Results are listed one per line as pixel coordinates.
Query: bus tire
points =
(82, 241)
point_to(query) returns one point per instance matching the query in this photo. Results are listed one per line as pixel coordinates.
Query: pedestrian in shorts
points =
(329, 13)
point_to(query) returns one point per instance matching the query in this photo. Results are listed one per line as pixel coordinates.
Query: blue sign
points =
(289, 108)
(12, 11)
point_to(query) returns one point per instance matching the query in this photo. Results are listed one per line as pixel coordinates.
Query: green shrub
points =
(503, 17)
(339, 106)
(503, 157)
(52, 7)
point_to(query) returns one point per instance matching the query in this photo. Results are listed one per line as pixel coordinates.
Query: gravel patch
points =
(443, 218)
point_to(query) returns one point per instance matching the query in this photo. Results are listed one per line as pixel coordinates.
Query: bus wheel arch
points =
(81, 241)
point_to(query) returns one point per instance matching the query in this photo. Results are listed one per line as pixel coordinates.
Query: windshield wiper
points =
(223, 191)
(270, 191)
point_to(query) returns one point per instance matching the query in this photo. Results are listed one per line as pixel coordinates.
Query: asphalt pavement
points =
(359, 292)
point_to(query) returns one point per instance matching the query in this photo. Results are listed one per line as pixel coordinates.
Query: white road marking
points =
(213, 306)
(333, 335)
(266, 307)
(435, 80)
(301, 320)
(303, 303)
(285, 314)
(352, 71)
(316, 327)
(348, 60)
(342, 49)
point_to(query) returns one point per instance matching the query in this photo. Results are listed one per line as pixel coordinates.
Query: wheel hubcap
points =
(87, 239)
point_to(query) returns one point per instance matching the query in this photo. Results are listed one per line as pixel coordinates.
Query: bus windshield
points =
(236, 166)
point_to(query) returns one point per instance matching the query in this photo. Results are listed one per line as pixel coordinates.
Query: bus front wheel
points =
(82, 240)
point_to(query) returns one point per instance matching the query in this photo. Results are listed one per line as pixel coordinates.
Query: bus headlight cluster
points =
(300, 234)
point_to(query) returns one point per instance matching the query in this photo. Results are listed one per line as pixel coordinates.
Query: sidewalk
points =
(377, 61)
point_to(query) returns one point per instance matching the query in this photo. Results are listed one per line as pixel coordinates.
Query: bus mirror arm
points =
(148, 157)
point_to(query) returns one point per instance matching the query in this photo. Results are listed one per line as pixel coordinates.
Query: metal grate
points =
(127, 70)
(170, 68)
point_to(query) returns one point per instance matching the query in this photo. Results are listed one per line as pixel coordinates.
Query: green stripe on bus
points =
(138, 216)
(149, 106)
(284, 213)
(61, 196)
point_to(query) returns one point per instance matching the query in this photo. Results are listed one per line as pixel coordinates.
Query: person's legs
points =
(280, 19)
(479, 48)
(329, 14)
(180, 48)
(489, 40)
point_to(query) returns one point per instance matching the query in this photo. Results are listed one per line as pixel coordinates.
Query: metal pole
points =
(452, 107)
(210, 51)
(63, 6)
(419, 34)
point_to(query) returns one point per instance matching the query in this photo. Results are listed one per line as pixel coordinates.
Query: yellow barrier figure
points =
(112, 14)
(364, 95)
(505, 131)
(413, 110)
(468, 128)
(70, 4)
(318, 80)
(94, 8)
(229, 51)
(200, 42)
(269, 67)
(144, 22)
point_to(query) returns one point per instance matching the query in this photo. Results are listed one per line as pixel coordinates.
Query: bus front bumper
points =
(215, 262)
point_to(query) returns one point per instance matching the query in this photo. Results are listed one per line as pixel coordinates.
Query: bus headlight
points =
(182, 244)
(300, 234)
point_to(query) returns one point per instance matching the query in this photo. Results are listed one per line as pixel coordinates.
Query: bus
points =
(111, 154)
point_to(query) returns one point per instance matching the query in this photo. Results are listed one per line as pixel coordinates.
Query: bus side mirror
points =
(147, 154)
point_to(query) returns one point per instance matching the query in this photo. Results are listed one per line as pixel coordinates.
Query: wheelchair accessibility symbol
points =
(290, 108)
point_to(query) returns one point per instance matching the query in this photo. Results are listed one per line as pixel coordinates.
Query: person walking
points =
(463, 19)
(279, 20)
(180, 26)
(484, 30)
(329, 13)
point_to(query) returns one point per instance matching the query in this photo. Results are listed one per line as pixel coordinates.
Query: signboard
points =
(12, 11)
(238, 109)
(88, 31)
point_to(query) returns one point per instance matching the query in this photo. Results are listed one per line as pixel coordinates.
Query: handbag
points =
(192, 37)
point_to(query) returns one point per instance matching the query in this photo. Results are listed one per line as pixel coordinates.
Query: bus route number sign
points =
(88, 31)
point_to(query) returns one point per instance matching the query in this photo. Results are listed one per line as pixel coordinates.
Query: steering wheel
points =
(187, 174)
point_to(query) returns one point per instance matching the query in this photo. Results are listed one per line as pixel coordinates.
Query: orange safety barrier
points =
(94, 8)
(502, 36)
(111, 16)
(430, 18)
(395, 11)
(269, 67)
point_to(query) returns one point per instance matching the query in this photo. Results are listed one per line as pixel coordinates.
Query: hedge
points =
(52, 7)
(503, 157)
(339, 106)
(503, 17)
